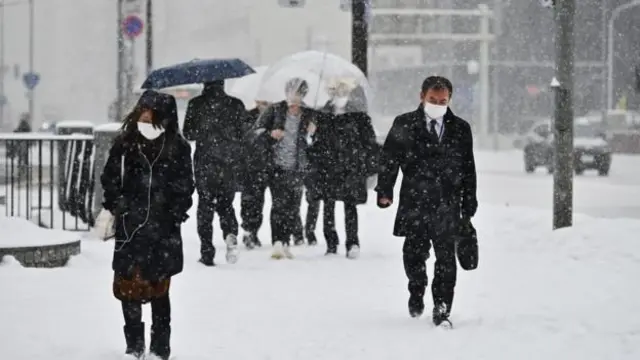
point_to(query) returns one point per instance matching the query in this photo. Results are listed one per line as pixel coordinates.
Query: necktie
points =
(433, 130)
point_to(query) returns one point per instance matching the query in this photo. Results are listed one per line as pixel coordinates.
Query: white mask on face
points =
(340, 102)
(149, 131)
(294, 99)
(434, 111)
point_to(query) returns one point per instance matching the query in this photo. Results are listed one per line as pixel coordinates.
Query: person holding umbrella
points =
(283, 133)
(343, 155)
(215, 121)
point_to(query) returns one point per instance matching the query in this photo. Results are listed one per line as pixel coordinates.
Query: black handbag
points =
(467, 246)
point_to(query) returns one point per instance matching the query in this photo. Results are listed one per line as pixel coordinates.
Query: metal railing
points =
(48, 179)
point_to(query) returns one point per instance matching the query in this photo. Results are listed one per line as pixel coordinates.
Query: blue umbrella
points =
(197, 72)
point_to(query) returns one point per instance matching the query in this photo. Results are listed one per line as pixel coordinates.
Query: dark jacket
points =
(343, 155)
(215, 120)
(439, 179)
(261, 144)
(150, 203)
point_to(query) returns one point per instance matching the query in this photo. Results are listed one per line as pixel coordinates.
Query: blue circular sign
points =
(132, 26)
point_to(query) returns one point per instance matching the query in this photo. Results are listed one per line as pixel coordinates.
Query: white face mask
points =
(340, 102)
(149, 131)
(434, 111)
(294, 99)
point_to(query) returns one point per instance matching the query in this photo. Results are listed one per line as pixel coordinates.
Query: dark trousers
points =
(286, 192)
(329, 222)
(252, 201)
(415, 253)
(160, 328)
(208, 204)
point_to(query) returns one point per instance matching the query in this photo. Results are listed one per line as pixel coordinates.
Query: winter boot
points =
(160, 342)
(134, 336)
(353, 250)
(250, 240)
(332, 242)
(441, 316)
(298, 240)
(232, 249)
(416, 300)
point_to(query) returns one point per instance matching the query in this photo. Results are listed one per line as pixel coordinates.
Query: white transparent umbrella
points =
(329, 76)
(272, 86)
(246, 88)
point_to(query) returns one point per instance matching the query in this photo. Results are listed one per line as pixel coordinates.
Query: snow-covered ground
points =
(536, 295)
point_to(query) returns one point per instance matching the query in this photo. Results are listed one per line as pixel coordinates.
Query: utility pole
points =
(120, 68)
(31, 57)
(149, 36)
(359, 35)
(495, 93)
(483, 81)
(563, 140)
(3, 98)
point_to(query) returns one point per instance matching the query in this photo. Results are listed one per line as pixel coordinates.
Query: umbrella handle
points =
(324, 59)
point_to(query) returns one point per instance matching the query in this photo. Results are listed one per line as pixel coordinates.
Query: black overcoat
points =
(439, 178)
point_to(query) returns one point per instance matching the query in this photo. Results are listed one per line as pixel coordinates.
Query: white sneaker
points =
(354, 252)
(232, 249)
(278, 251)
(287, 252)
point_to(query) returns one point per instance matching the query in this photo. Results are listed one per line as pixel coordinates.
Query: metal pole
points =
(495, 54)
(610, 39)
(484, 71)
(31, 57)
(120, 67)
(563, 139)
(605, 73)
(359, 35)
(2, 65)
(149, 36)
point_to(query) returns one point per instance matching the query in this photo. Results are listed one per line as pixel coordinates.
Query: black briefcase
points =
(467, 246)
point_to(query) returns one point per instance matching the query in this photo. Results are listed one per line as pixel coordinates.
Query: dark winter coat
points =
(215, 121)
(261, 144)
(150, 205)
(343, 155)
(439, 179)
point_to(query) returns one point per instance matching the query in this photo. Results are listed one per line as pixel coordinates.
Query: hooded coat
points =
(151, 200)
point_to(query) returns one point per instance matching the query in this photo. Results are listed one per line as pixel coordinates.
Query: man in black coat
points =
(434, 150)
(215, 121)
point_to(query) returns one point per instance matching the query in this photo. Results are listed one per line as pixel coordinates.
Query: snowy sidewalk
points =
(536, 295)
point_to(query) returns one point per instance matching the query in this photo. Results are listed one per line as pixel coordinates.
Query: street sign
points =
(31, 80)
(292, 3)
(132, 26)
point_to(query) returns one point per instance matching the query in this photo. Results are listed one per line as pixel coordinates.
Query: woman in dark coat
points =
(148, 184)
(344, 154)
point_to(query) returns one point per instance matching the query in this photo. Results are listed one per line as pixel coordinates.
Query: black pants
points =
(160, 328)
(415, 253)
(329, 223)
(208, 204)
(252, 201)
(286, 192)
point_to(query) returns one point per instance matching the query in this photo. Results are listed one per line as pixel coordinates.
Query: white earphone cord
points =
(146, 220)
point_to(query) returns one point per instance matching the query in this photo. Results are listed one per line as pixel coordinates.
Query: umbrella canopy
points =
(196, 72)
(246, 88)
(330, 78)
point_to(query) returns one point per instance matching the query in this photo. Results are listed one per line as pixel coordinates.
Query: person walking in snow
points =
(255, 181)
(434, 150)
(215, 121)
(343, 155)
(283, 132)
(148, 186)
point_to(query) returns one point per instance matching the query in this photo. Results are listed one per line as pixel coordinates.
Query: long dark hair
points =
(164, 112)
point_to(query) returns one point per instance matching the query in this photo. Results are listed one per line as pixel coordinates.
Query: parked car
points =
(590, 148)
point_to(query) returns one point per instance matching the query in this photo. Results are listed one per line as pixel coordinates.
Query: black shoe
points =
(207, 260)
(416, 305)
(251, 241)
(311, 239)
(134, 336)
(441, 316)
(332, 250)
(298, 241)
(160, 342)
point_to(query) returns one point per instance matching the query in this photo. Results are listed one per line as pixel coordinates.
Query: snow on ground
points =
(536, 295)
(18, 232)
